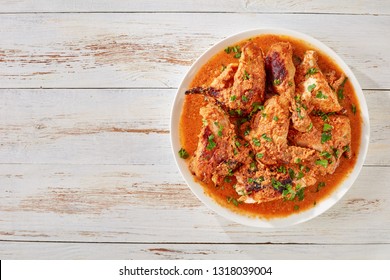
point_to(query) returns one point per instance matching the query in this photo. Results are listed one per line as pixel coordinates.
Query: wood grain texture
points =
(218, 6)
(151, 203)
(89, 126)
(104, 251)
(86, 167)
(155, 50)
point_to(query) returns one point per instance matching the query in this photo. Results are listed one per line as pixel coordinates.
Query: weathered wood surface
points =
(155, 50)
(86, 167)
(61, 251)
(89, 126)
(151, 203)
(216, 6)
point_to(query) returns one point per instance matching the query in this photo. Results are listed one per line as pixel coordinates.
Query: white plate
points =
(198, 190)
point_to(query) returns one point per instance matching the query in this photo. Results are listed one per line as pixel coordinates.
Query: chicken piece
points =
(247, 86)
(269, 129)
(280, 68)
(313, 88)
(216, 155)
(260, 184)
(331, 138)
(226, 79)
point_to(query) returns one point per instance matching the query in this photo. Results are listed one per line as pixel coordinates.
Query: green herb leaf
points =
(246, 75)
(275, 118)
(211, 145)
(233, 98)
(183, 153)
(237, 55)
(244, 98)
(276, 184)
(256, 142)
(322, 162)
(281, 169)
(346, 148)
(237, 144)
(228, 50)
(232, 200)
(300, 175)
(310, 127)
(320, 186)
(353, 108)
(327, 127)
(320, 95)
(266, 138)
(311, 87)
(223, 67)
(312, 71)
(277, 82)
(325, 136)
(253, 166)
(291, 173)
(259, 155)
(296, 207)
(325, 154)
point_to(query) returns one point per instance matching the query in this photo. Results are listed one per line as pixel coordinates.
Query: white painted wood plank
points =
(252, 6)
(151, 203)
(104, 251)
(155, 50)
(91, 126)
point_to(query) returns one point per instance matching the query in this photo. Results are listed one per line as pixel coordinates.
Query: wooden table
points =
(87, 170)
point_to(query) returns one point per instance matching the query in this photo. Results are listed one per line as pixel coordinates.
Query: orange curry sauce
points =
(191, 123)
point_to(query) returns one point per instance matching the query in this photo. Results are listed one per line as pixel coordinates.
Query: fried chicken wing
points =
(246, 87)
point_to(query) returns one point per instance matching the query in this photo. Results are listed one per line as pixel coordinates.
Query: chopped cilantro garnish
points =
(211, 145)
(320, 95)
(244, 98)
(353, 108)
(232, 200)
(281, 169)
(266, 138)
(275, 118)
(320, 186)
(311, 87)
(291, 173)
(310, 127)
(246, 75)
(256, 142)
(259, 155)
(326, 127)
(325, 154)
(277, 82)
(325, 136)
(183, 153)
(312, 71)
(322, 162)
(233, 98)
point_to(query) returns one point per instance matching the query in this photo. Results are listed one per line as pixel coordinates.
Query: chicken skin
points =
(313, 88)
(218, 153)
